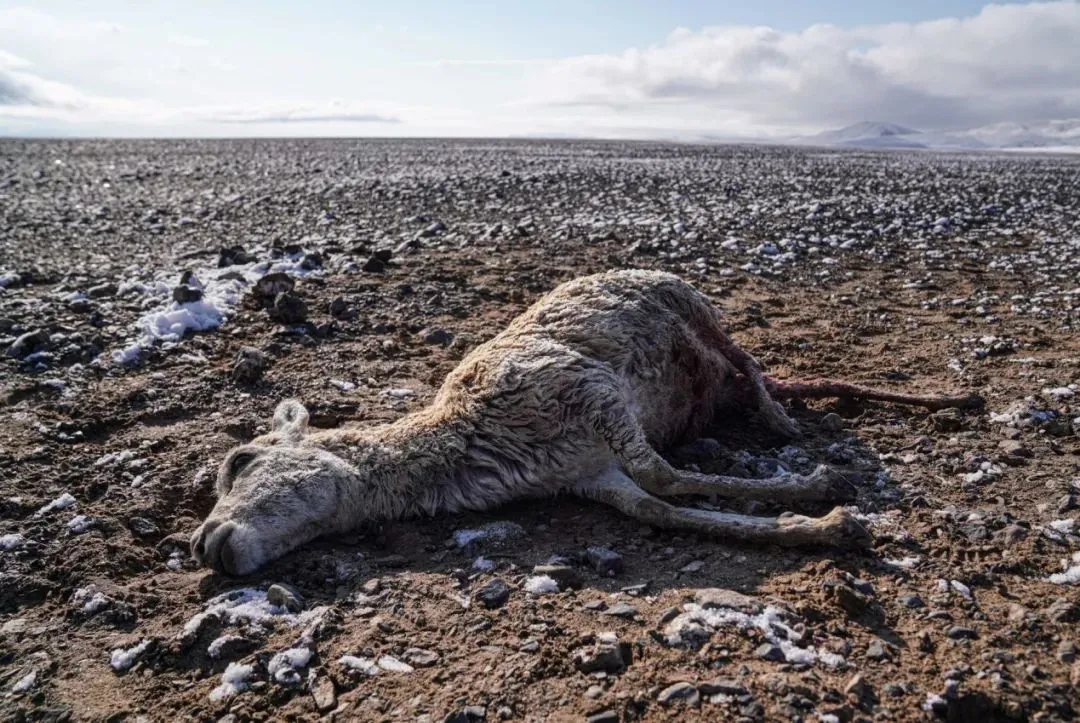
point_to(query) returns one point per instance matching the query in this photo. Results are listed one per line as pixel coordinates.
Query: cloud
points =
(1009, 62)
(325, 113)
(188, 41)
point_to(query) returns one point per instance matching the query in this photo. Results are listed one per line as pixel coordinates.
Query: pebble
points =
(28, 343)
(604, 716)
(288, 309)
(143, 527)
(856, 686)
(606, 562)
(621, 610)
(714, 597)
(494, 594)
(726, 686)
(911, 600)
(1066, 651)
(285, 596)
(832, 422)
(679, 693)
(249, 365)
(768, 651)
(269, 286)
(323, 694)
(439, 337)
(420, 658)
(876, 651)
(603, 656)
(958, 632)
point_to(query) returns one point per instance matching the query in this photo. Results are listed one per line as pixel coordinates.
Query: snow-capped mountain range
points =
(1049, 135)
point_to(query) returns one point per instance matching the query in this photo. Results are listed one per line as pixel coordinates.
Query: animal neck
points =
(400, 464)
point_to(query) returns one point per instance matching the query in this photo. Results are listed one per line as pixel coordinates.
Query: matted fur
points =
(575, 395)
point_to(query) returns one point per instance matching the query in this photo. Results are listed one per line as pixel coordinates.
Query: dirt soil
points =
(911, 272)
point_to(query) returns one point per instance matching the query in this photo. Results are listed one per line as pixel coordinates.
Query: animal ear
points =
(291, 419)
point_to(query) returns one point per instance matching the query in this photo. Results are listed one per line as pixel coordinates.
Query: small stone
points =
(102, 291)
(947, 420)
(911, 600)
(876, 651)
(668, 615)
(530, 646)
(28, 343)
(1014, 448)
(420, 658)
(603, 656)
(894, 690)
(374, 265)
(853, 602)
(285, 596)
(679, 693)
(958, 632)
(726, 686)
(1011, 534)
(269, 286)
(604, 716)
(494, 594)
(142, 527)
(322, 692)
(15, 626)
(340, 309)
(249, 365)
(832, 422)
(372, 586)
(714, 597)
(288, 309)
(1066, 651)
(594, 692)
(186, 294)
(856, 686)
(233, 255)
(1063, 611)
(692, 567)
(595, 606)
(604, 561)
(440, 337)
(768, 651)
(566, 576)
(621, 610)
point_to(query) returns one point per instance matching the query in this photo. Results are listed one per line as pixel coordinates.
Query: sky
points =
(613, 68)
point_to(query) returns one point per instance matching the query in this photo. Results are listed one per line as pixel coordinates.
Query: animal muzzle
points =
(212, 545)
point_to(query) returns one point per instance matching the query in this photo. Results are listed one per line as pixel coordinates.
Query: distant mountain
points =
(1059, 134)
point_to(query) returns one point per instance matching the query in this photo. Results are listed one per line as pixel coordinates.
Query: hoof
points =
(843, 530)
(777, 418)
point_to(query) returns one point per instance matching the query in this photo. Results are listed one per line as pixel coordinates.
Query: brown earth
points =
(883, 316)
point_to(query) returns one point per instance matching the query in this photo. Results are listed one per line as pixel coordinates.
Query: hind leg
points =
(613, 487)
(771, 410)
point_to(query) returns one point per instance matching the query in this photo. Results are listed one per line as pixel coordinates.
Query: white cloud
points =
(1009, 62)
(188, 41)
(333, 112)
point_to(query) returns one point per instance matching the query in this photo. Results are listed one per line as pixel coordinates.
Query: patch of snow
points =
(114, 458)
(283, 666)
(215, 646)
(770, 622)
(11, 541)
(121, 659)
(961, 588)
(483, 564)
(79, 524)
(1065, 526)
(491, 532)
(399, 393)
(1060, 393)
(906, 562)
(60, 503)
(393, 665)
(91, 600)
(235, 679)
(342, 386)
(8, 279)
(25, 683)
(541, 585)
(250, 606)
(1071, 576)
(360, 665)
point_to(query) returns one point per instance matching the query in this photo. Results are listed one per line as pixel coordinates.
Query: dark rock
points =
(142, 527)
(469, 714)
(374, 265)
(420, 658)
(621, 610)
(679, 693)
(249, 365)
(285, 596)
(958, 632)
(1066, 651)
(853, 602)
(288, 309)
(269, 286)
(384, 255)
(604, 716)
(312, 261)
(1063, 610)
(186, 294)
(494, 594)
(233, 255)
(768, 651)
(856, 686)
(604, 561)
(340, 309)
(832, 422)
(28, 343)
(947, 420)
(911, 600)
(894, 690)
(1014, 448)
(101, 291)
(440, 337)
(704, 449)
(876, 651)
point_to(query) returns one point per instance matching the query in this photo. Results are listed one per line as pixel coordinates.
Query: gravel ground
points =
(160, 297)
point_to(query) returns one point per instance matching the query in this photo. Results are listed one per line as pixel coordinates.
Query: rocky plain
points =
(158, 298)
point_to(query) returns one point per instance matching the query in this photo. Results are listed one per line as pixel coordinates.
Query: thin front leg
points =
(613, 487)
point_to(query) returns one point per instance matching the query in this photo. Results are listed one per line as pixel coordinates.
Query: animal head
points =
(274, 494)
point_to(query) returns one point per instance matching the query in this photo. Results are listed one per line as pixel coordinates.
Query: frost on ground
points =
(247, 605)
(695, 625)
(62, 502)
(12, 541)
(79, 524)
(493, 532)
(222, 292)
(25, 683)
(283, 667)
(122, 659)
(235, 679)
(90, 600)
(370, 667)
(1071, 576)
(541, 585)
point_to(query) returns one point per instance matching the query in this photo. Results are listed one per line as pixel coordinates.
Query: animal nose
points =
(210, 546)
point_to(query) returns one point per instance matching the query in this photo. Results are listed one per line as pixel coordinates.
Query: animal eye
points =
(241, 460)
